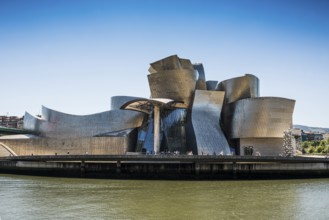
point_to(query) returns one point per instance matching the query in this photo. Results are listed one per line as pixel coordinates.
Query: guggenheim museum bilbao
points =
(186, 114)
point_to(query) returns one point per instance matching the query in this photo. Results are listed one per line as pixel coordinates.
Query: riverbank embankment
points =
(167, 166)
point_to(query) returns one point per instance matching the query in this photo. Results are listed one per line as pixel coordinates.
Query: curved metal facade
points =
(185, 112)
(118, 101)
(56, 124)
(178, 85)
(201, 82)
(206, 111)
(32, 123)
(238, 88)
(146, 105)
(173, 78)
(211, 85)
(265, 117)
(170, 63)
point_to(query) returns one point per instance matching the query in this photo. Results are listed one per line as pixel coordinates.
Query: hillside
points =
(312, 129)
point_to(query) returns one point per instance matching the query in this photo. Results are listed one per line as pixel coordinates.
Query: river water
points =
(29, 197)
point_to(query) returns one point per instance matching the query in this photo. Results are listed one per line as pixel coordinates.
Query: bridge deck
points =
(8, 131)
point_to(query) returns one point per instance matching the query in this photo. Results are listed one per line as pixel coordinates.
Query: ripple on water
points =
(26, 197)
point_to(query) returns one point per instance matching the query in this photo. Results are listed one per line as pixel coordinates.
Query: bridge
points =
(9, 131)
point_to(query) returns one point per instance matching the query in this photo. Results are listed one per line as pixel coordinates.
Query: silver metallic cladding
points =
(173, 78)
(211, 85)
(118, 101)
(32, 123)
(232, 105)
(146, 105)
(265, 117)
(201, 82)
(246, 86)
(170, 63)
(178, 85)
(206, 111)
(56, 124)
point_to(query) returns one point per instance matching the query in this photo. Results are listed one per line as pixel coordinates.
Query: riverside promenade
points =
(167, 166)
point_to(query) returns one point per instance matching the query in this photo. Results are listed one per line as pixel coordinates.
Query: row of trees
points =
(319, 147)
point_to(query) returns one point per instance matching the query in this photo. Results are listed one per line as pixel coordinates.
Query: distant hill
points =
(312, 129)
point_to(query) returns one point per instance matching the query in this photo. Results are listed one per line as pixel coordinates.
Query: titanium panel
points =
(32, 123)
(146, 105)
(201, 82)
(246, 86)
(173, 78)
(206, 111)
(139, 105)
(170, 63)
(54, 124)
(260, 117)
(211, 85)
(177, 85)
(118, 101)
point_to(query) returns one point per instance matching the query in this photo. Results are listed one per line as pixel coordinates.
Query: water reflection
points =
(24, 197)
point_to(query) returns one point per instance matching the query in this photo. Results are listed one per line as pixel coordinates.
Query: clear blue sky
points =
(72, 56)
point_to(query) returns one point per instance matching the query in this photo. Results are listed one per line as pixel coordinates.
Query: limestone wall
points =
(264, 146)
(51, 146)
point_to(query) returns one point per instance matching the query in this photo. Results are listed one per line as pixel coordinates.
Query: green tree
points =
(322, 143)
(319, 149)
(326, 150)
(305, 144)
(315, 143)
(310, 150)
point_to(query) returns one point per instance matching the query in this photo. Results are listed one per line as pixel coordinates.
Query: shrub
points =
(315, 143)
(305, 145)
(319, 149)
(310, 150)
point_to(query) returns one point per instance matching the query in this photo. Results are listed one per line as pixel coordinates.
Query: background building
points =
(311, 136)
(11, 121)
